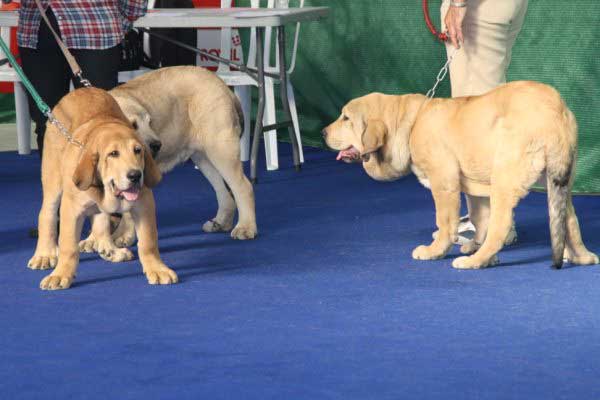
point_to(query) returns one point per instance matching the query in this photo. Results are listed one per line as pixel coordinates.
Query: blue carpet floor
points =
(326, 303)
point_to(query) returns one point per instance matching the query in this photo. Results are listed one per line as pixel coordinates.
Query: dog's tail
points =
(240, 113)
(560, 169)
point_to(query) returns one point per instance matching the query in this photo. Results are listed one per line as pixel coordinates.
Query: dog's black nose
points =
(134, 175)
(324, 132)
(155, 146)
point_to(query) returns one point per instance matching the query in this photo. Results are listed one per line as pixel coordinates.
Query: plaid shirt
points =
(84, 24)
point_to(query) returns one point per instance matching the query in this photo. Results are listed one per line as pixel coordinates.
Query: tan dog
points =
(113, 172)
(187, 112)
(492, 147)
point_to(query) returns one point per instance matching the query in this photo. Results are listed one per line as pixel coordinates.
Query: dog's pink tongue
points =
(131, 194)
(351, 153)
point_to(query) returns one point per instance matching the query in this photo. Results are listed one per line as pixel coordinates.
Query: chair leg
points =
(294, 112)
(270, 118)
(244, 95)
(23, 120)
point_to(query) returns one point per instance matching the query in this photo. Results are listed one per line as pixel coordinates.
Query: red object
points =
(210, 4)
(207, 3)
(440, 35)
(8, 87)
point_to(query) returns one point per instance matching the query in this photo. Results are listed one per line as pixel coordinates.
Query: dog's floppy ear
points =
(373, 137)
(152, 174)
(85, 173)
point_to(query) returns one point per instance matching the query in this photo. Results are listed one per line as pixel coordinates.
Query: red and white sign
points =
(7, 87)
(209, 40)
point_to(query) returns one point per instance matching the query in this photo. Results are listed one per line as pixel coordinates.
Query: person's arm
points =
(454, 20)
(132, 10)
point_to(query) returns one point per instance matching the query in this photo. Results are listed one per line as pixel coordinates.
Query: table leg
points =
(284, 96)
(260, 111)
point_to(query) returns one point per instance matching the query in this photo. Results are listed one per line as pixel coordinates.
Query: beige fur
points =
(91, 181)
(194, 115)
(492, 147)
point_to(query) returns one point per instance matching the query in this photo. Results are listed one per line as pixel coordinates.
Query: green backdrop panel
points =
(7, 108)
(384, 45)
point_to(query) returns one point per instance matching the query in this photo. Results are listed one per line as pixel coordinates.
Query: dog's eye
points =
(134, 124)
(114, 153)
(345, 118)
(137, 149)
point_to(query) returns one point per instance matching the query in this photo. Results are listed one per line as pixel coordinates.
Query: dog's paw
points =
(473, 263)
(109, 252)
(427, 253)
(88, 245)
(512, 237)
(469, 247)
(125, 240)
(213, 225)
(244, 232)
(56, 281)
(43, 261)
(161, 276)
(587, 258)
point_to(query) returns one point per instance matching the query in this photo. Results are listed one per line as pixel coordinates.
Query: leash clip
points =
(82, 80)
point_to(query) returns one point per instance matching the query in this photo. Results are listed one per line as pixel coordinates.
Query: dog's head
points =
(141, 121)
(359, 131)
(375, 129)
(116, 158)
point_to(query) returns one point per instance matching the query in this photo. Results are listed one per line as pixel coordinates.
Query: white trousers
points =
(490, 29)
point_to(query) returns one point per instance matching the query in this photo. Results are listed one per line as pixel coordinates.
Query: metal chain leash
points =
(442, 74)
(63, 130)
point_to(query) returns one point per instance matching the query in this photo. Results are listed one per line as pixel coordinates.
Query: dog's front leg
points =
(71, 223)
(46, 254)
(144, 217)
(447, 208)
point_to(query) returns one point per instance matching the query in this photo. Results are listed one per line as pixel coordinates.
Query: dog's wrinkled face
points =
(118, 160)
(121, 165)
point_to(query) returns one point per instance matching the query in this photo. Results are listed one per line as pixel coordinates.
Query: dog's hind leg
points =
(101, 241)
(225, 157)
(479, 214)
(575, 251)
(503, 201)
(124, 235)
(223, 221)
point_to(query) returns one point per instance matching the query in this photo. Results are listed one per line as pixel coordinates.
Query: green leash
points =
(34, 94)
(39, 102)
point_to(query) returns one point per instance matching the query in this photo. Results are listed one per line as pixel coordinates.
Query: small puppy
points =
(492, 147)
(181, 113)
(112, 173)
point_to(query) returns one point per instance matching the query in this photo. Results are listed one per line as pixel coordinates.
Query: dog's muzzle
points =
(155, 146)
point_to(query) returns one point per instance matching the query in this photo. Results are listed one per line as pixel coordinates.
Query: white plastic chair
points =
(8, 74)
(242, 84)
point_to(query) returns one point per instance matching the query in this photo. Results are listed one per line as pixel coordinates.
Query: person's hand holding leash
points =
(454, 21)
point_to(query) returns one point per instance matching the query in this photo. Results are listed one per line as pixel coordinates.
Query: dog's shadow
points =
(184, 273)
